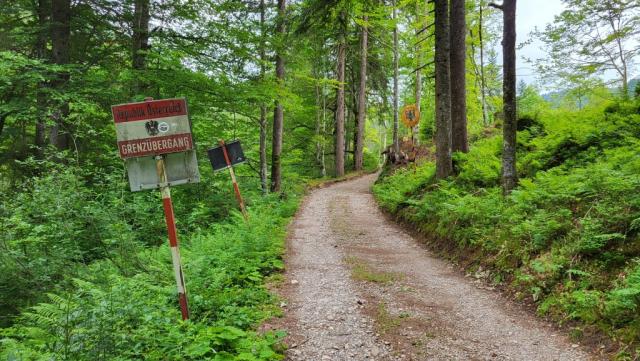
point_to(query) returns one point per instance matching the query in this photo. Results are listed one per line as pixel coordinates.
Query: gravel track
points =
(360, 288)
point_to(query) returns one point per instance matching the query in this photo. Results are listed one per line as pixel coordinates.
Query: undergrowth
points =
(567, 238)
(110, 312)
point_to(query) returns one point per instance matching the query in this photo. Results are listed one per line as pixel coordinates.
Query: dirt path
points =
(359, 288)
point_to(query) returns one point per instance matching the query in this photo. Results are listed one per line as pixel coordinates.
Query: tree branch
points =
(494, 5)
(422, 67)
(425, 28)
(423, 39)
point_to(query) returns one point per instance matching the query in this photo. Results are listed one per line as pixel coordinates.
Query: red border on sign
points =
(156, 145)
(149, 110)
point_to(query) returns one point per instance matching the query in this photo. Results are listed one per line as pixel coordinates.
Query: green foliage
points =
(405, 181)
(57, 223)
(568, 236)
(110, 314)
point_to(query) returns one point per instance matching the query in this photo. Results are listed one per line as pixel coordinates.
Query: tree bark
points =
(263, 150)
(318, 130)
(140, 43)
(278, 114)
(3, 118)
(458, 34)
(444, 166)
(61, 55)
(43, 12)
(362, 98)
(396, 141)
(419, 70)
(509, 129)
(483, 83)
(263, 106)
(323, 130)
(339, 143)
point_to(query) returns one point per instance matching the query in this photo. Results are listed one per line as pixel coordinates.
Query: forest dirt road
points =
(360, 288)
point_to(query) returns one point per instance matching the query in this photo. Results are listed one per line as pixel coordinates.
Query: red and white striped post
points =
(233, 179)
(173, 235)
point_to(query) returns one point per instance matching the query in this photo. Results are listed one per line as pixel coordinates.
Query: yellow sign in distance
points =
(410, 115)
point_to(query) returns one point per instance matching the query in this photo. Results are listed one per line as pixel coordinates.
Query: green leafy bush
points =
(109, 314)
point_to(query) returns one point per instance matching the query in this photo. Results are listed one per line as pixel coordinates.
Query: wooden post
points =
(236, 189)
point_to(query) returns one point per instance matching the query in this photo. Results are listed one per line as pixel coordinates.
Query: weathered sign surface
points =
(156, 128)
(152, 128)
(182, 168)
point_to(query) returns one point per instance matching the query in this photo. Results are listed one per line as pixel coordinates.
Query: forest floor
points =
(358, 287)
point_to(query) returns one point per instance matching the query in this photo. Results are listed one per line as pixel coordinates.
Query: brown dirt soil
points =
(358, 287)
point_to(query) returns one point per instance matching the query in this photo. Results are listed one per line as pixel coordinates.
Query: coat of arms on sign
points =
(152, 127)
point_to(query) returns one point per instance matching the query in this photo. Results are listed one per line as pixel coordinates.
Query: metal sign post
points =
(157, 134)
(173, 236)
(410, 117)
(233, 179)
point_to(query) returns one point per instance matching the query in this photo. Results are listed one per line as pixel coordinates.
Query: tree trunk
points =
(623, 69)
(318, 72)
(419, 70)
(140, 43)
(625, 80)
(339, 146)
(263, 106)
(458, 34)
(319, 110)
(263, 149)
(323, 130)
(509, 129)
(43, 11)
(396, 142)
(418, 94)
(478, 75)
(278, 116)
(483, 83)
(362, 98)
(60, 53)
(444, 166)
(3, 118)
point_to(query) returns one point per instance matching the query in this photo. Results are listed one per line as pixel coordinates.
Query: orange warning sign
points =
(410, 116)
